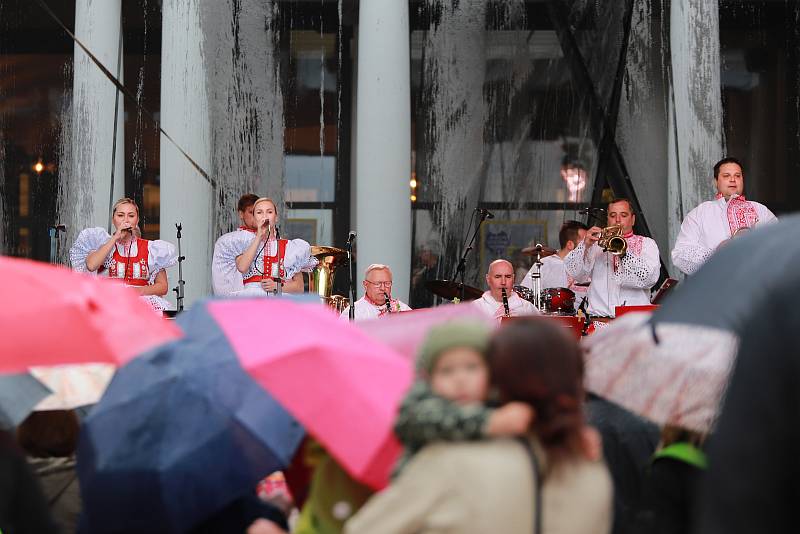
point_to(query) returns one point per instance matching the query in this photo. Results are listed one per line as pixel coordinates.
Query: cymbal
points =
(448, 289)
(539, 249)
(320, 250)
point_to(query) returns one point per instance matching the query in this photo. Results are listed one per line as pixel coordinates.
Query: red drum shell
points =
(558, 300)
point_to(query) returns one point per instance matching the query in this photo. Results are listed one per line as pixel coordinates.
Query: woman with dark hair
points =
(540, 483)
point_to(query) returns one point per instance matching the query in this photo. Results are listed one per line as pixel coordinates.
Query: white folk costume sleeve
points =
(639, 271)
(161, 255)
(298, 258)
(580, 262)
(689, 253)
(226, 279)
(89, 240)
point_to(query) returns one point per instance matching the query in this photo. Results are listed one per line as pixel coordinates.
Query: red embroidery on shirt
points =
(741, 213)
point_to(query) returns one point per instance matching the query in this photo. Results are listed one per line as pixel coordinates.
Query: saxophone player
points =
(499, 279)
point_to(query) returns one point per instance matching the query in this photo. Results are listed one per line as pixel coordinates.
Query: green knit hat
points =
(459, 333)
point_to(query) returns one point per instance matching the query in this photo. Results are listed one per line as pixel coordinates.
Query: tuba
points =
(611, 240)
(321, 278)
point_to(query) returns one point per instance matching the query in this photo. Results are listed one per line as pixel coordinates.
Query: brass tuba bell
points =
(611, 240)
(321, 279)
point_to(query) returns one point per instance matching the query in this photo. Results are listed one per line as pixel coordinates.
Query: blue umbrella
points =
(19, 395)
(180, 432)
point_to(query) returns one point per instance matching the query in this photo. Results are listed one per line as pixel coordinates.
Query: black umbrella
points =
(741, 276)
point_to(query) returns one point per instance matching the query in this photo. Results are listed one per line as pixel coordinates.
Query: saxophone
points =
(505, 303)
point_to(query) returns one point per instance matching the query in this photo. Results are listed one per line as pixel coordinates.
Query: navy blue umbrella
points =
(19, 395)
(180, 432)
(741, 276)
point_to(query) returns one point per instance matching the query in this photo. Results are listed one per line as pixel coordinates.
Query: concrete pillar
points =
(383, 139)
(695, 123)
(97, 25)
(185, 194)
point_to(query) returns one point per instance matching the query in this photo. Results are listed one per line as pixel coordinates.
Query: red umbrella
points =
(52, 316)
(341, 384)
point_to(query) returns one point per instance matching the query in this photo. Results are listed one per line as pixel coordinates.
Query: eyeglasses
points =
(379, 284)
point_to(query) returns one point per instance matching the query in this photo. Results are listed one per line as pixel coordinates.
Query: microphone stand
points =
(352, 283)
(278, 280)
(179, 288)
(462, 263)
(53, 231)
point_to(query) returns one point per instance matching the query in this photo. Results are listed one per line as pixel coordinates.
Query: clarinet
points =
(388, 302)
(505, 303)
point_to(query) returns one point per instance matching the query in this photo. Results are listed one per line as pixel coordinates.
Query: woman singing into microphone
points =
(264, 259)
(124, 256)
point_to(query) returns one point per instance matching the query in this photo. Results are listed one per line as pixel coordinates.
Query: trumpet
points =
(611, 240)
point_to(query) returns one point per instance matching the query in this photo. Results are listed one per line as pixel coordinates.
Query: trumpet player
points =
(714, 222)
(501, 300)
(617, 278)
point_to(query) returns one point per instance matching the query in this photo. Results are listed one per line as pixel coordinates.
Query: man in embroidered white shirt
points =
(616, 281)
(714, 222)
(377, 300)
(553, 272)
(499, 277)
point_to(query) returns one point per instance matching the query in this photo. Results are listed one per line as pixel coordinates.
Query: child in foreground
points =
(448, 402)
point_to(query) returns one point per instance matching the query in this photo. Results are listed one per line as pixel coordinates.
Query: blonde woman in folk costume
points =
(139, 263)
(263, 259)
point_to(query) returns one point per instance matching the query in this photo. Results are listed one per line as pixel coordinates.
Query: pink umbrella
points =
(342, 385)
(406, 331)
(52, 315)
(674, 375)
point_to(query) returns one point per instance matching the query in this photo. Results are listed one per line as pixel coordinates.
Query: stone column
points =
(186, 196)
(88, 145)
(383, 139)
(695, 123)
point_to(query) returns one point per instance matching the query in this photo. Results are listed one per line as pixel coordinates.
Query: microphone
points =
(587, 211)
(388, 302)
(351, 237)
(486, 213)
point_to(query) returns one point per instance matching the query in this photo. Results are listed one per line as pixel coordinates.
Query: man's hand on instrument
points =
(269, 285)
(592, 236)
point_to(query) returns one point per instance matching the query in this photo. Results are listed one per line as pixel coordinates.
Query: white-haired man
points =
(499, 277)
(377, 300)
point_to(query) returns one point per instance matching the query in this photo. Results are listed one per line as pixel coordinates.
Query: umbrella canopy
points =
(406, 331)
(73, 386)
(738, 278)
(180, 432)
(341, 384)
(19, 394)
(670, 373)
(52, 315)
